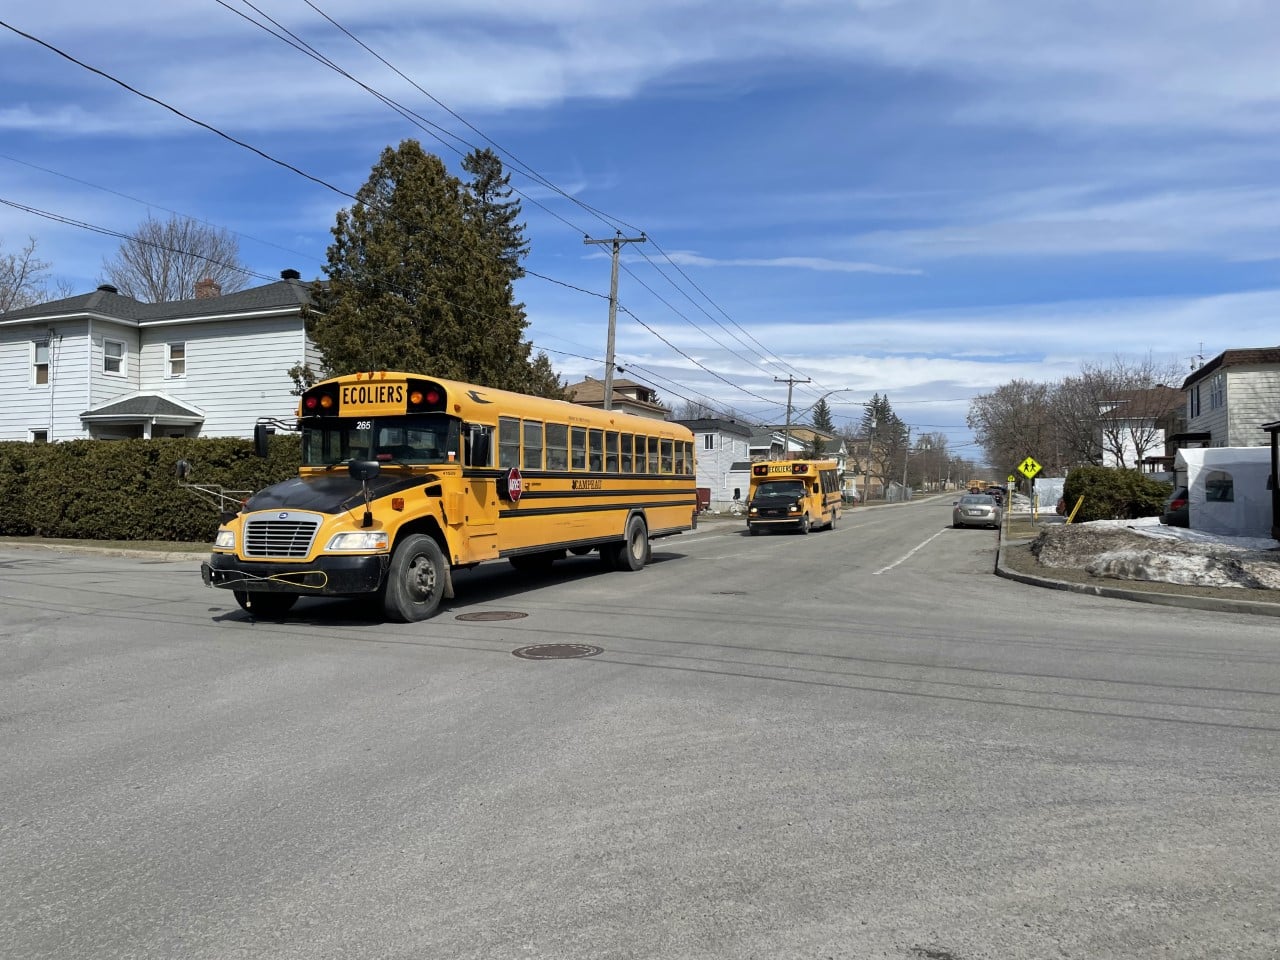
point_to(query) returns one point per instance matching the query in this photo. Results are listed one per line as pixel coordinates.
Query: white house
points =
(1231, 397)
(721, 451)
(106, 366)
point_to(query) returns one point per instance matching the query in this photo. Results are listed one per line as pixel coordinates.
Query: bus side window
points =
(532, 446)
(627, 441)
(508, 442)
(596, 450)
(642, 456)
(557, 446)
(578, 448)
(479, 445)
(668, 456)
(611, 451)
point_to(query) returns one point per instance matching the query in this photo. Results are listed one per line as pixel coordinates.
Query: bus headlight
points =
(362, 540)
(795, 507)
(225, 540)
(752, 511)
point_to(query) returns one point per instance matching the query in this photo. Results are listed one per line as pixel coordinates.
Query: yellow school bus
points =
(406, 478)
(793, 494)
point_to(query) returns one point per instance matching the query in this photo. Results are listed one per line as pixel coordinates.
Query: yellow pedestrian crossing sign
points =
(1029, 468)
(1012, 478)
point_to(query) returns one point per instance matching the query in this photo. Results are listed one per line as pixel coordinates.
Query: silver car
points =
(976, 510)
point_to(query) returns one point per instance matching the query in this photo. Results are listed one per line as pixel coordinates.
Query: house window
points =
(40, 363)
(708, 441)
(39, 436)
(1218, 391)
(113, 358)
(175, 361)
(1194, 409)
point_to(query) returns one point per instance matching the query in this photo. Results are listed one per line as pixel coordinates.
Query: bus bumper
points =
(327, 576)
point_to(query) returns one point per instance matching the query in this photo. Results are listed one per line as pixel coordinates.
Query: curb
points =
(169, 556)
(1211, 604)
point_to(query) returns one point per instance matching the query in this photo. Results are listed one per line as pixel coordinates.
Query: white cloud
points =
(821, 264)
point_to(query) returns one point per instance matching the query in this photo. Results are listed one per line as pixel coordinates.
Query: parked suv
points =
(1177, 509)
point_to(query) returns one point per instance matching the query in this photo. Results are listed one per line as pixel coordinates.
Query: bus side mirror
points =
(261, 439)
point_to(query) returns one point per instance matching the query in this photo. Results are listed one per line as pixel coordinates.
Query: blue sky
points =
(918, 198)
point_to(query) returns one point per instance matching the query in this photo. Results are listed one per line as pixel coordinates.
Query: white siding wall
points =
(104, 387)
(713, 465)
(236, 371)
(56, 407)
(1213, 422)
(1253, 398)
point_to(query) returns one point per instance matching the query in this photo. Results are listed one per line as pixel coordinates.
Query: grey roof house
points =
(103, 365)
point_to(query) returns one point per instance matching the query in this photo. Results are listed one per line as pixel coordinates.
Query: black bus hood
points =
(335, 493)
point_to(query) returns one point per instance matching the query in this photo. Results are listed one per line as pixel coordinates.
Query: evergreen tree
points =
(420, 278)
(822, 417)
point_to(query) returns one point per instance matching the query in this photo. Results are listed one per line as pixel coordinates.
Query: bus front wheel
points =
(415, 580)
(804, 524)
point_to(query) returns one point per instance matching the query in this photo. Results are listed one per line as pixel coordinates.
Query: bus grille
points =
(279, 538)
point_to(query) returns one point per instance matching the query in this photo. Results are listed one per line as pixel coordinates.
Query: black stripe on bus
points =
(598, 494)
(512, 512)
(486, 473)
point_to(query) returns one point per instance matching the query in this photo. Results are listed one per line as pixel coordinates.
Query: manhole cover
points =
(491, 615)
(557, 651)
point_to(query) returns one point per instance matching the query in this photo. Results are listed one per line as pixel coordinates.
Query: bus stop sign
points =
(515, 485)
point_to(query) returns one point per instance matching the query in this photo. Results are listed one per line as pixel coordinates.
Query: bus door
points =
(479, 516)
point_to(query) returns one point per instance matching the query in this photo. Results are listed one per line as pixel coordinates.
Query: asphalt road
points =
(858, 743)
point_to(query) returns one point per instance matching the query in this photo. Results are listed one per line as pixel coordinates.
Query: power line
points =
(298, 171)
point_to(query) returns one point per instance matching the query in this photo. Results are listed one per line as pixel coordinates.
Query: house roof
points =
(1235, 358)
(281, 294)
(1144, 403)
(590, 392)
(717, 425)
(144, 406)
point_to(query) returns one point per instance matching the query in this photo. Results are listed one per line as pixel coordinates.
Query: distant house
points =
(106, 366)
(1134, 425)
(628, 397)
(1231, 398)
(721, 452)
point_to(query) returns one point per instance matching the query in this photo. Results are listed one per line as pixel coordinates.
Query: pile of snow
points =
(1144, 549)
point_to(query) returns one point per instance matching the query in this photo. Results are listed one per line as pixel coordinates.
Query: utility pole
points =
(616, 243)
(906, 456)
(786, 434)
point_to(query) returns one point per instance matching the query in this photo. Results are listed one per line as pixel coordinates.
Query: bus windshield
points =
(781, 489)
(425, 438)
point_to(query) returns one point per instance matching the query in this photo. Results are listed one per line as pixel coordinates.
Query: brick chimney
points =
(207, 289)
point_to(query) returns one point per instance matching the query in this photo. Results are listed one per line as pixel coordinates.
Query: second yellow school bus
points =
(406, 478)
(794, 494)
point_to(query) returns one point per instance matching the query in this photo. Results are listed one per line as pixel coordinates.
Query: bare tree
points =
(24, 279)
(696, 410)
(164, 260)
(1013, 422)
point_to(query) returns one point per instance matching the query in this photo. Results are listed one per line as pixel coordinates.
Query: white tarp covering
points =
(1227, 489)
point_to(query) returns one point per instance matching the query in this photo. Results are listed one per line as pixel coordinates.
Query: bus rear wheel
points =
(633, 552)
(268, 605)
(415, 580)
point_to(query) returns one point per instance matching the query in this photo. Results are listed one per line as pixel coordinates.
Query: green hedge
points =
(1111, 494)
(130, 489)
